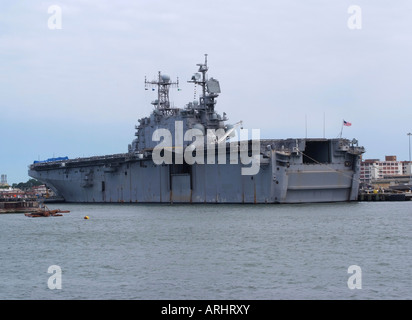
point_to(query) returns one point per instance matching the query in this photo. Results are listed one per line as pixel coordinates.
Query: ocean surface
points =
(223, 252)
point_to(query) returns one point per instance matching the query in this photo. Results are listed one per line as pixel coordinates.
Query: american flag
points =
(345, 123)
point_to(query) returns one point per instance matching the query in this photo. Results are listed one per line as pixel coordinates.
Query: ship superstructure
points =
(191, 155)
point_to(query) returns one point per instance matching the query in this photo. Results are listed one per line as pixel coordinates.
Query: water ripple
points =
(210, 252)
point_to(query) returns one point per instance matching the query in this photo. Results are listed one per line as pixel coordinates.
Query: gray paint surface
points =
(290, 170)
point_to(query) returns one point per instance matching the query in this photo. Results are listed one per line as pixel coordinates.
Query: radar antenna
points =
(210, 87)
(196, 77)
(163, 84)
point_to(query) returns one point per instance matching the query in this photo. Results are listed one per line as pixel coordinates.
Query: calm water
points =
(210, 252)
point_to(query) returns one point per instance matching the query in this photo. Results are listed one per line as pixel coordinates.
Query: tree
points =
(27, 185)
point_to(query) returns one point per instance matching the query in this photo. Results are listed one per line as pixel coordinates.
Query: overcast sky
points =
(79, 90)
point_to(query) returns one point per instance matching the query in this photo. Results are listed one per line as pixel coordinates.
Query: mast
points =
(163, 84)
(210, 87)
(196, 77)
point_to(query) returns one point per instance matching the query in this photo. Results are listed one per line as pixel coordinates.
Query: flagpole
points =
(324, 125)
(306, 126)
(341, 129)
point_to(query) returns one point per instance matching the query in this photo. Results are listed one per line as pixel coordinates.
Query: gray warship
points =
(191, 155)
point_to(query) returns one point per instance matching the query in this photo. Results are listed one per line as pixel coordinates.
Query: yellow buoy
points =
(86, 217)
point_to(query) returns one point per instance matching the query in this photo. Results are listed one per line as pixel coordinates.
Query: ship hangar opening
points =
(317, 151)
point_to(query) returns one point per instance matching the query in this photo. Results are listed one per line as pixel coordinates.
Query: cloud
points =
(278, 62)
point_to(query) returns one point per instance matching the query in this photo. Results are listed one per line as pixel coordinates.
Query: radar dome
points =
(165, 78)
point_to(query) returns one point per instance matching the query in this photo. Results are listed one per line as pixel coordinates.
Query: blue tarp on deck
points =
(51, 160)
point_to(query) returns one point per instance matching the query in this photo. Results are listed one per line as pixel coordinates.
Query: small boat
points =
(46, 212)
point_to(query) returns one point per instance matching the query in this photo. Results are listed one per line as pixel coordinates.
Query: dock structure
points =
(382, 196)
(18, 205)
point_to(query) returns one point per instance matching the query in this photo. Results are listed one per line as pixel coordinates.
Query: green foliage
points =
(27, 185)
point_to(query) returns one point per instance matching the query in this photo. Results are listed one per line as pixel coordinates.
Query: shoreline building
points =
(385, 173)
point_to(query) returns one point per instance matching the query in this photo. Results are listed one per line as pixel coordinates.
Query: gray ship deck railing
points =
(78, 161)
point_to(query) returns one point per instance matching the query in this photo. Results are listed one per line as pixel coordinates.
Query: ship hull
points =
(283, 177)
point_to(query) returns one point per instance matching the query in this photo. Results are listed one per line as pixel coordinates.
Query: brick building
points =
(390, 170)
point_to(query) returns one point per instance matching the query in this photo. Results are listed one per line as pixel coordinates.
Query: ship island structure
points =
(225, 170)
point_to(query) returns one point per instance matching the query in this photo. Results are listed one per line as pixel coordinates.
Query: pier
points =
(17, 205)
(384, 196)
